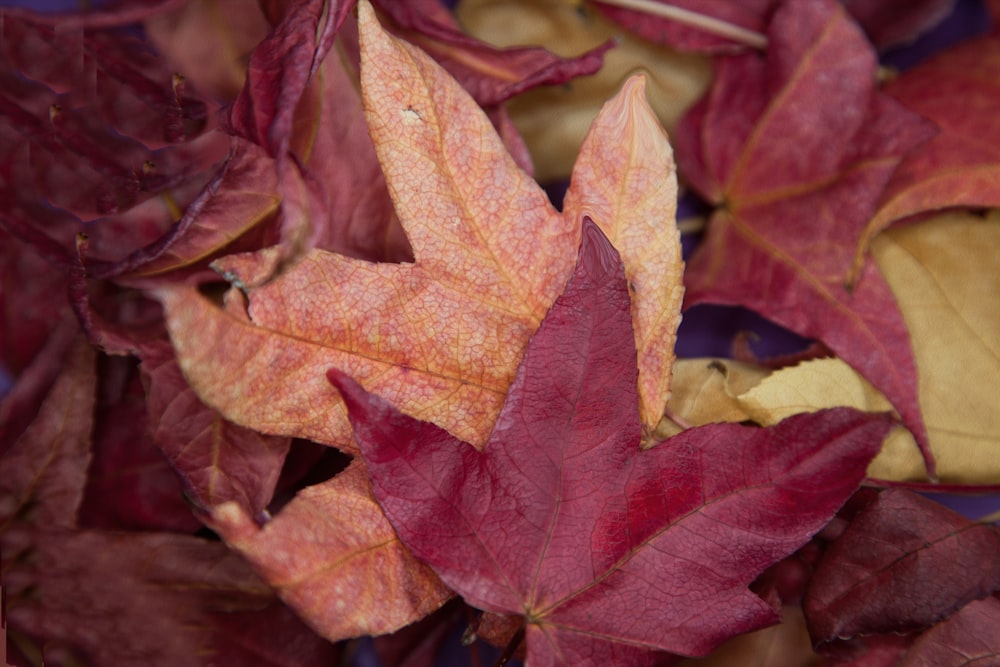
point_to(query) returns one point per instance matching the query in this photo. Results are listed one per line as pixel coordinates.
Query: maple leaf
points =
(967, 638)
(218, 460)
(35, 332)
(796, 180)
(95, 127)
(130, 483)
(942, 272)
(442, 336)
(305, 113)
(331, 555)
(716, 26)
(239, 199)
(609, 553)
(210, 43)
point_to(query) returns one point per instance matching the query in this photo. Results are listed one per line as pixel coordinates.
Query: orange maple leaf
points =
(442, 337)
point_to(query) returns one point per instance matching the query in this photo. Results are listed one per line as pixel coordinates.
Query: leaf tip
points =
(598, 251)
(350, 390)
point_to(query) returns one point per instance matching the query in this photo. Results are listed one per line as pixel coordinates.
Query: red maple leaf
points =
(796, 180)
(611, 554)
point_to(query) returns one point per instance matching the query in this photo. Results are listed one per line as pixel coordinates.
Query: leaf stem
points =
(709, 24)
(511, 648)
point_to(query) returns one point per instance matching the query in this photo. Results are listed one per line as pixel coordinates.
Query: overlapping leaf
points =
(943, 274)
(959, 91)
(942, 265)
(722, 26)
(967, 638)
(441, 336)
(904, 564)
(796, 180)
(609, 553)
(300, 105)
(98, 135)
(111, 597)
(130, 483)
(218, 460)
(331, 555)
(555, 119)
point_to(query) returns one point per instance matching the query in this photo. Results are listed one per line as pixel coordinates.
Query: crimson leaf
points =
(609, 552)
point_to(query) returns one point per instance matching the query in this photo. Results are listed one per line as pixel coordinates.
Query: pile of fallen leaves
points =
(301, 366)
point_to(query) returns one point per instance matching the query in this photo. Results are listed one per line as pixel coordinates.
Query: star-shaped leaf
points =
(441, 337)
(608, 552)
(795, 181)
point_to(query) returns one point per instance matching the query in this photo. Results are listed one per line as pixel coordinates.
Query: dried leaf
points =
(959, 90)
(943, 274)
(903, 564)
(48, 464)
(796, 180)
(130, 483)
(210, 42)
(563, 519)
(218, 461)
(442, 336)
(967, 638)
(705, 391)
(116, 598)
(555, 119)
(332, 555)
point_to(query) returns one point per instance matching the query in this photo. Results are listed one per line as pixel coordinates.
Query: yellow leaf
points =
(705, 391)
(636, 209)
(945, 277)
(810, 386)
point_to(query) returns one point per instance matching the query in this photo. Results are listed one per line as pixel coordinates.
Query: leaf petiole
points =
(709, 24)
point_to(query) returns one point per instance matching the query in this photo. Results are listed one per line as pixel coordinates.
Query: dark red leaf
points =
(217, 460)
(280, 68)
(47, 466)
(967, 639)
(893, 22)
(95, 15)
(903, 564)
(130, 483)
(720, 26)
(232, 213)
(31, 302)
(116, 598)
(491, 75)
(95, 126)
(796, 180)
(610, 553)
